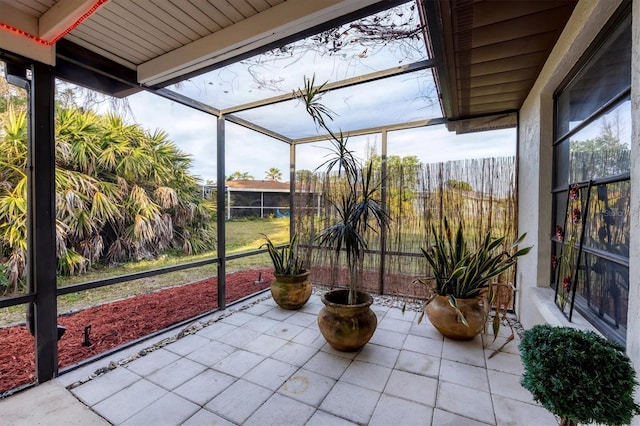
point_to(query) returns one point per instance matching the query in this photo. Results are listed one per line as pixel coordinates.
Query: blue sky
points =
(247, 151)
(393, 100)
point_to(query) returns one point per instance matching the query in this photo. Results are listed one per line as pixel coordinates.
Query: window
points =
(591, 188)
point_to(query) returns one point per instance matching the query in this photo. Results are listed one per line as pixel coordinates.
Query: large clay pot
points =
(446, 321)
(347, 327)
(291, 291)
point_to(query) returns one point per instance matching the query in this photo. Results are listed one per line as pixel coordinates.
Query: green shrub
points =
(578, 375)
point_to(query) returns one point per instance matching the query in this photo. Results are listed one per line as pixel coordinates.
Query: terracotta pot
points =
(291, 291)
(446, 321)
(347, 327)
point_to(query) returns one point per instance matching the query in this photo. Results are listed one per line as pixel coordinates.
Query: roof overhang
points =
(161, 42)
(489, 54)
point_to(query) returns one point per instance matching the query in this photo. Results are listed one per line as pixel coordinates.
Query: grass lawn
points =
(241, 236)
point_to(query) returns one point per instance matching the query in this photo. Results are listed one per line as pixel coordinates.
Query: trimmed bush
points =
(578, 375)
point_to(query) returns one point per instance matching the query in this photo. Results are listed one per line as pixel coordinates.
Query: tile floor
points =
(257, 364)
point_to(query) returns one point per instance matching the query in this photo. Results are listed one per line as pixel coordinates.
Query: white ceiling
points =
(164, 39)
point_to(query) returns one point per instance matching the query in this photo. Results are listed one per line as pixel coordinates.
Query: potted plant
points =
(578, 375)
(346, 321)
(461, 287)
(291, 287)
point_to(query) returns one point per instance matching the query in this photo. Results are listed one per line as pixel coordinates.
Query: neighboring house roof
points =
(258, 185)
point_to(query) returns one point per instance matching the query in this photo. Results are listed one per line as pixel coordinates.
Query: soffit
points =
(163, 40)
(492, 52)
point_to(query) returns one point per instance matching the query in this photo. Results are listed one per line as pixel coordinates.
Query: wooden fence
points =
(479, 192)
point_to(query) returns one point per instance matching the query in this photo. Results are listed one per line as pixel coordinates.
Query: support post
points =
(220, 220)
(41, 212)
(292, 189)
(385, 204)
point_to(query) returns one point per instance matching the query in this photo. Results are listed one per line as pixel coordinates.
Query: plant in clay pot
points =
(461, 284)
(291, 288)
(346, 321)
(578, 375)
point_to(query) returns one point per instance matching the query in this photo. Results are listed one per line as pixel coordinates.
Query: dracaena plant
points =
(285, 260)
(460, 272)
(357, 206)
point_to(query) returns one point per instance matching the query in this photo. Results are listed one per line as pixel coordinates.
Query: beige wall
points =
(535, 298)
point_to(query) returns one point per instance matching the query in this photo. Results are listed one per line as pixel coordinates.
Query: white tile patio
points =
(258, 364)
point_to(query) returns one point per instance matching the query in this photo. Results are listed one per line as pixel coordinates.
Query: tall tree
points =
(10, 95)
(274, 174)
(607, 154)
(239, 176)
(122, 193)
(402, 180)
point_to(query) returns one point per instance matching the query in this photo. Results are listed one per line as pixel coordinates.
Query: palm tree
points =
(13, 199)
(274, 174)
(122, 193)
(239, 176)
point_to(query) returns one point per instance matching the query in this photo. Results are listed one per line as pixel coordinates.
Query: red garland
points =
(18, 31)
(90, 12)
(23, 33)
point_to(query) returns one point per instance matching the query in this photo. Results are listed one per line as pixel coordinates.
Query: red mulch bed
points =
(114, 324)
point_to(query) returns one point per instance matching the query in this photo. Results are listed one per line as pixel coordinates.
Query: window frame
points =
(600, 321)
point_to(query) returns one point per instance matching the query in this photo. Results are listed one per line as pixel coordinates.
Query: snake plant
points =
(285, 260)
(460, 272)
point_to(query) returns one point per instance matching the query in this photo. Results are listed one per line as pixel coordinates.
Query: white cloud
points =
(392, 100)
(247, 151)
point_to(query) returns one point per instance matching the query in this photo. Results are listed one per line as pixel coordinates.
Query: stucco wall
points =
(535, 304)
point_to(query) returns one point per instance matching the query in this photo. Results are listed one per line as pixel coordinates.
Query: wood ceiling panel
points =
(171, 15)
(171, 35)
(514, 63)
(244, 8)
(530, 25)
(260, 5)
(111, 31)
(228, 10)
(493, 50)
(485, 13)
(179, 14)
(205, 21)
(140, 27)
(497, 78)
(498, 97)
(160, 16)
(499, 88)
(212, 13)
(35, 8)
(93, 36)
(514, 47)
(121, 38)
(493, 107)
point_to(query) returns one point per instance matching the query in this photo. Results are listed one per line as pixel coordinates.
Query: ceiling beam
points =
(18, 19)
(378, 129)
(365, 78)
(252, 126)
(17, 29)
(61, 16)
(273, 24)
